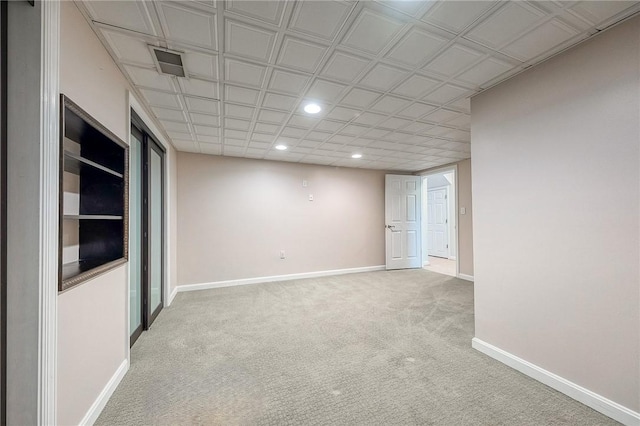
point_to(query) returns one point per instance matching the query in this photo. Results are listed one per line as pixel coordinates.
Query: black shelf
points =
(74, 163)
(97, 173)
(91, 217)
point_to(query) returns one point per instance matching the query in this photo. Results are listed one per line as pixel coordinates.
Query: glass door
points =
(155, 237)
(146, 229)
(135, 235)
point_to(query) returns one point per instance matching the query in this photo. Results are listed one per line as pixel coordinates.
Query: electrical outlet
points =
(310, 197)
(305, 183)
(282, 254)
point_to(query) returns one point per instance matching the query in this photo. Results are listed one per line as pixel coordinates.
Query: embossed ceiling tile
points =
(287, 82)
(360, 98)
(353, 130)
(248, 40)
(189, 25)
(202, 88)
(456, 15)
(241, 95)
(377, 133)
(268, 116)
(445, 94)
(598, 11)
(300, 55)
(331, 126)
(325, 90)
(303, 121)
(415, 86)
(234, 123)
(505, 24)
(168, 114)
(161, 99)
(485, 71)
(343, 114)
(239, 135)
(318, 136)
(206, 131)
(266, 128)
(260, 137)
(371, 32)
(150, 78)
(175, 126)
(369, 118)
(383, 77)
(462, 120)
(389, 104)
(319, 18)
(416, 46)
(204, 119)
(410, 7)
(205, 106)
(394, 123)
(417, 127)
(201, 65)
(293, 132)
(263, 10)
(540, 40)
(186, 146)
(464, 104)
(281, 102)
(244, 73)
(453, 60)
(130, 15)
(441, 115)
(129, 49)
(416, 110)
(207, 139)
(344, 66)
(239, 111)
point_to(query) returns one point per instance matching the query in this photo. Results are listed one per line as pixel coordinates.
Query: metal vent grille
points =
(169, 62)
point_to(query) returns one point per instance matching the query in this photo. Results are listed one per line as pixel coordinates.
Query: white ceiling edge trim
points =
(561, 51)
(137, 106)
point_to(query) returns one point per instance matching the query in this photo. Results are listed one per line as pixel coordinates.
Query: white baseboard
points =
(466, 277)
(257, 280)
(452, 258)
(98, 405)
(591, 399)
(172, 296)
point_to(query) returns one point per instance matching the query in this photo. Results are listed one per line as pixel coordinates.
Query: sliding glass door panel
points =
(155, 225)
(135, 236)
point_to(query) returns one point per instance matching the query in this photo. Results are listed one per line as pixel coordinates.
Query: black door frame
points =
(149, 143)
(3, 212)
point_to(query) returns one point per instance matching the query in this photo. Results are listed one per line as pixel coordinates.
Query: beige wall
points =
(465, 221)
(235, 215)
(556, 220)
(172, 168)
(92, 333)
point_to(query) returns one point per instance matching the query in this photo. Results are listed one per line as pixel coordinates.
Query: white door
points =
(438, 222)
(402, 226)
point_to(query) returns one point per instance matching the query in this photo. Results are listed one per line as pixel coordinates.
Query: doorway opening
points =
(439, 221)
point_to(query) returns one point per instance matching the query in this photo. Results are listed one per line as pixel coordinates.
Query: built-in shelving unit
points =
(93, 197)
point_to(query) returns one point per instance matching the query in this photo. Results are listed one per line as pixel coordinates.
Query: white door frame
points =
(436, 171)
(447, 191)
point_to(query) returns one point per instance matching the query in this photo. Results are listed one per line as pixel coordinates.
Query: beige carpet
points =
(375, 348)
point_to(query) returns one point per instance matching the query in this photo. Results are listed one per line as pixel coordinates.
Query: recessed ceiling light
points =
(312, 108)
(281, 147)
(356, 156)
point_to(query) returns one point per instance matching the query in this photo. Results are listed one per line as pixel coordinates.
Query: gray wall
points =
(235, 215)
(556, 188)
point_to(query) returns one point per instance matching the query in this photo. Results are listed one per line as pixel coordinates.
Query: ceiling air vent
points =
(168, 62)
